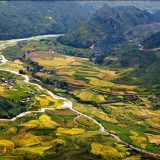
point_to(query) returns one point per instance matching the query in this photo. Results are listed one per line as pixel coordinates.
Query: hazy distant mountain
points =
(134, 16)
(150, 6)
(157, 15)
(107, 26)
(26, 18)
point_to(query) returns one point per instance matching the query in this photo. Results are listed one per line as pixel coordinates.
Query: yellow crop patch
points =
(89, 95)
(154, 122)
(124, 87)
(18, 61)
(44, 102)
(138, 140)
(99, 83)
(26, 139)
(6, 145)
(72, 131)
(31, 150)
(87, 122)
(111, 58)
(44, 121)
(107, 152)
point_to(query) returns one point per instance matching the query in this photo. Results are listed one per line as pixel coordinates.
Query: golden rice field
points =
(12, 66)
(83, 120)
(5, 146)
(43, 121)
(78, 71)
(46, 101)
(128, 115)
(138, 140)
(88, 95)
(26, 139)
(72, 131)
(32, 97)
(45, 134)
(31, 150)
(108, 152)
(111, 58)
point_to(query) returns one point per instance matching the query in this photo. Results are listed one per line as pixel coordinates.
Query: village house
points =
(9, 81)
(52, 51)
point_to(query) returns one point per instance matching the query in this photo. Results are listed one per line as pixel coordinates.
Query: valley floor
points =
(64, 125)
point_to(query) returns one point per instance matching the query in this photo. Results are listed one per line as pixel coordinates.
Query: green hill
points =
(133, 17)
(28, 18)
(145, 65)
(153, 41)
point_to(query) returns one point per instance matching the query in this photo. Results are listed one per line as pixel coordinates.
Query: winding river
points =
(67, 104)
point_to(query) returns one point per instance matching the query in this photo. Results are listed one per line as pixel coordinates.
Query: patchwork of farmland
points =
(128, 111)
(18, 97)
(55, 134)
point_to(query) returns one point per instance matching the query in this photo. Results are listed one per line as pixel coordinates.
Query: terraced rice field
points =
(88, 95)
(133, 118)
(78, 71)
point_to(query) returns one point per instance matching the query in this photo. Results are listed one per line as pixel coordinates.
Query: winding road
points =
(68, 104)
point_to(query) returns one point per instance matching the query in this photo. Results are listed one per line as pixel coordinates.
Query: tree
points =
(47, 81)
(99, 60)
(90, 58)
(21, 71)
(28, 68)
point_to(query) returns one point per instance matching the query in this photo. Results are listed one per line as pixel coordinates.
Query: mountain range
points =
(107, 27)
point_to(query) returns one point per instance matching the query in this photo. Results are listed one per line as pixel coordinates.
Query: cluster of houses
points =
(47, 71)
(22, 43)
(36, 80)
(26, 99)
(96, 49)
(8, 81)
(26, 54)
(59, 84)
(52, 50)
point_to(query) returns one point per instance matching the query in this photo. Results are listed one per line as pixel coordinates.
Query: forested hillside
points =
(30, 18)
(153, 41)
(107, 27)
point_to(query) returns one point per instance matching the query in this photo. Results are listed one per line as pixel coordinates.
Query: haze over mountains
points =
(150, 6)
